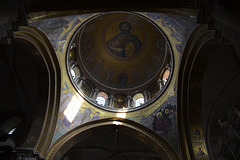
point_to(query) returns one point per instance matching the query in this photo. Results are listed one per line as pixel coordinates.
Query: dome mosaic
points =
(115, 57)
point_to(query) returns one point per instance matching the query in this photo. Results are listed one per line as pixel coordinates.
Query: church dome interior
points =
(142, 79)
(118, 69)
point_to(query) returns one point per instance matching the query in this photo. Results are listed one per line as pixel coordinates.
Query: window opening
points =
(73, 73)
(11, 131)
(138, 99)
(166, 76)
(101, 101)
(139, 102)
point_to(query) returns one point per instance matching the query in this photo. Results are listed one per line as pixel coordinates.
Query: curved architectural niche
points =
(49, 88)
(119, 61)
(194, 62)
(126, 140)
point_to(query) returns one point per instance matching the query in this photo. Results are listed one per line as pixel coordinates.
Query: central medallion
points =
(124, 38)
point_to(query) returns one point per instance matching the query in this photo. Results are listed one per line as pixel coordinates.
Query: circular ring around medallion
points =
(122, 50)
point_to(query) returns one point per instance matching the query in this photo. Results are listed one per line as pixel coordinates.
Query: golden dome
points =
(121, 50)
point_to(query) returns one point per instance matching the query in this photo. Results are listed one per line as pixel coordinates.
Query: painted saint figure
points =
(122, 77)
(200, 152)
(161, 123)
(124, 44)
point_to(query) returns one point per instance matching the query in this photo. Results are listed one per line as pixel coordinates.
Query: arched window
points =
(102, 98)
(101, 101)
(138, 99)
(75, 72)
(165, 76)
(87, 87)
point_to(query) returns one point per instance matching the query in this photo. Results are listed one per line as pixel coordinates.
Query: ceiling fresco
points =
(122, 50)
(159, 116)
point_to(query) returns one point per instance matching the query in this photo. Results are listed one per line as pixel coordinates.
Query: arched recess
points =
(140, 133)
(220, 102)
(222, 130)
(40, 44)
(191, 138)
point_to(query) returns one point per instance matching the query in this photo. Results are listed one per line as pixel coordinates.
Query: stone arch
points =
(189, 103)
(201, 87)
(160, 146)
(41, 48)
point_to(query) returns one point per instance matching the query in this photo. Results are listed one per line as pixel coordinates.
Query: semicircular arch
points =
(155, 142)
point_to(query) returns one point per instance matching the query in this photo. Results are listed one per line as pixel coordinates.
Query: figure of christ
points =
(124, 44)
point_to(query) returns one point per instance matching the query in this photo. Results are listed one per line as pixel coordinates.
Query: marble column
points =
(149, 96)
(160, 84)
(129, 99)
(111, 101)
(80, 82)
(92, 92)
(145, 95)
(95, 94)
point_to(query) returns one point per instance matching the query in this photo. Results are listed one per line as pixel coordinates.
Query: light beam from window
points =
(72, 108)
